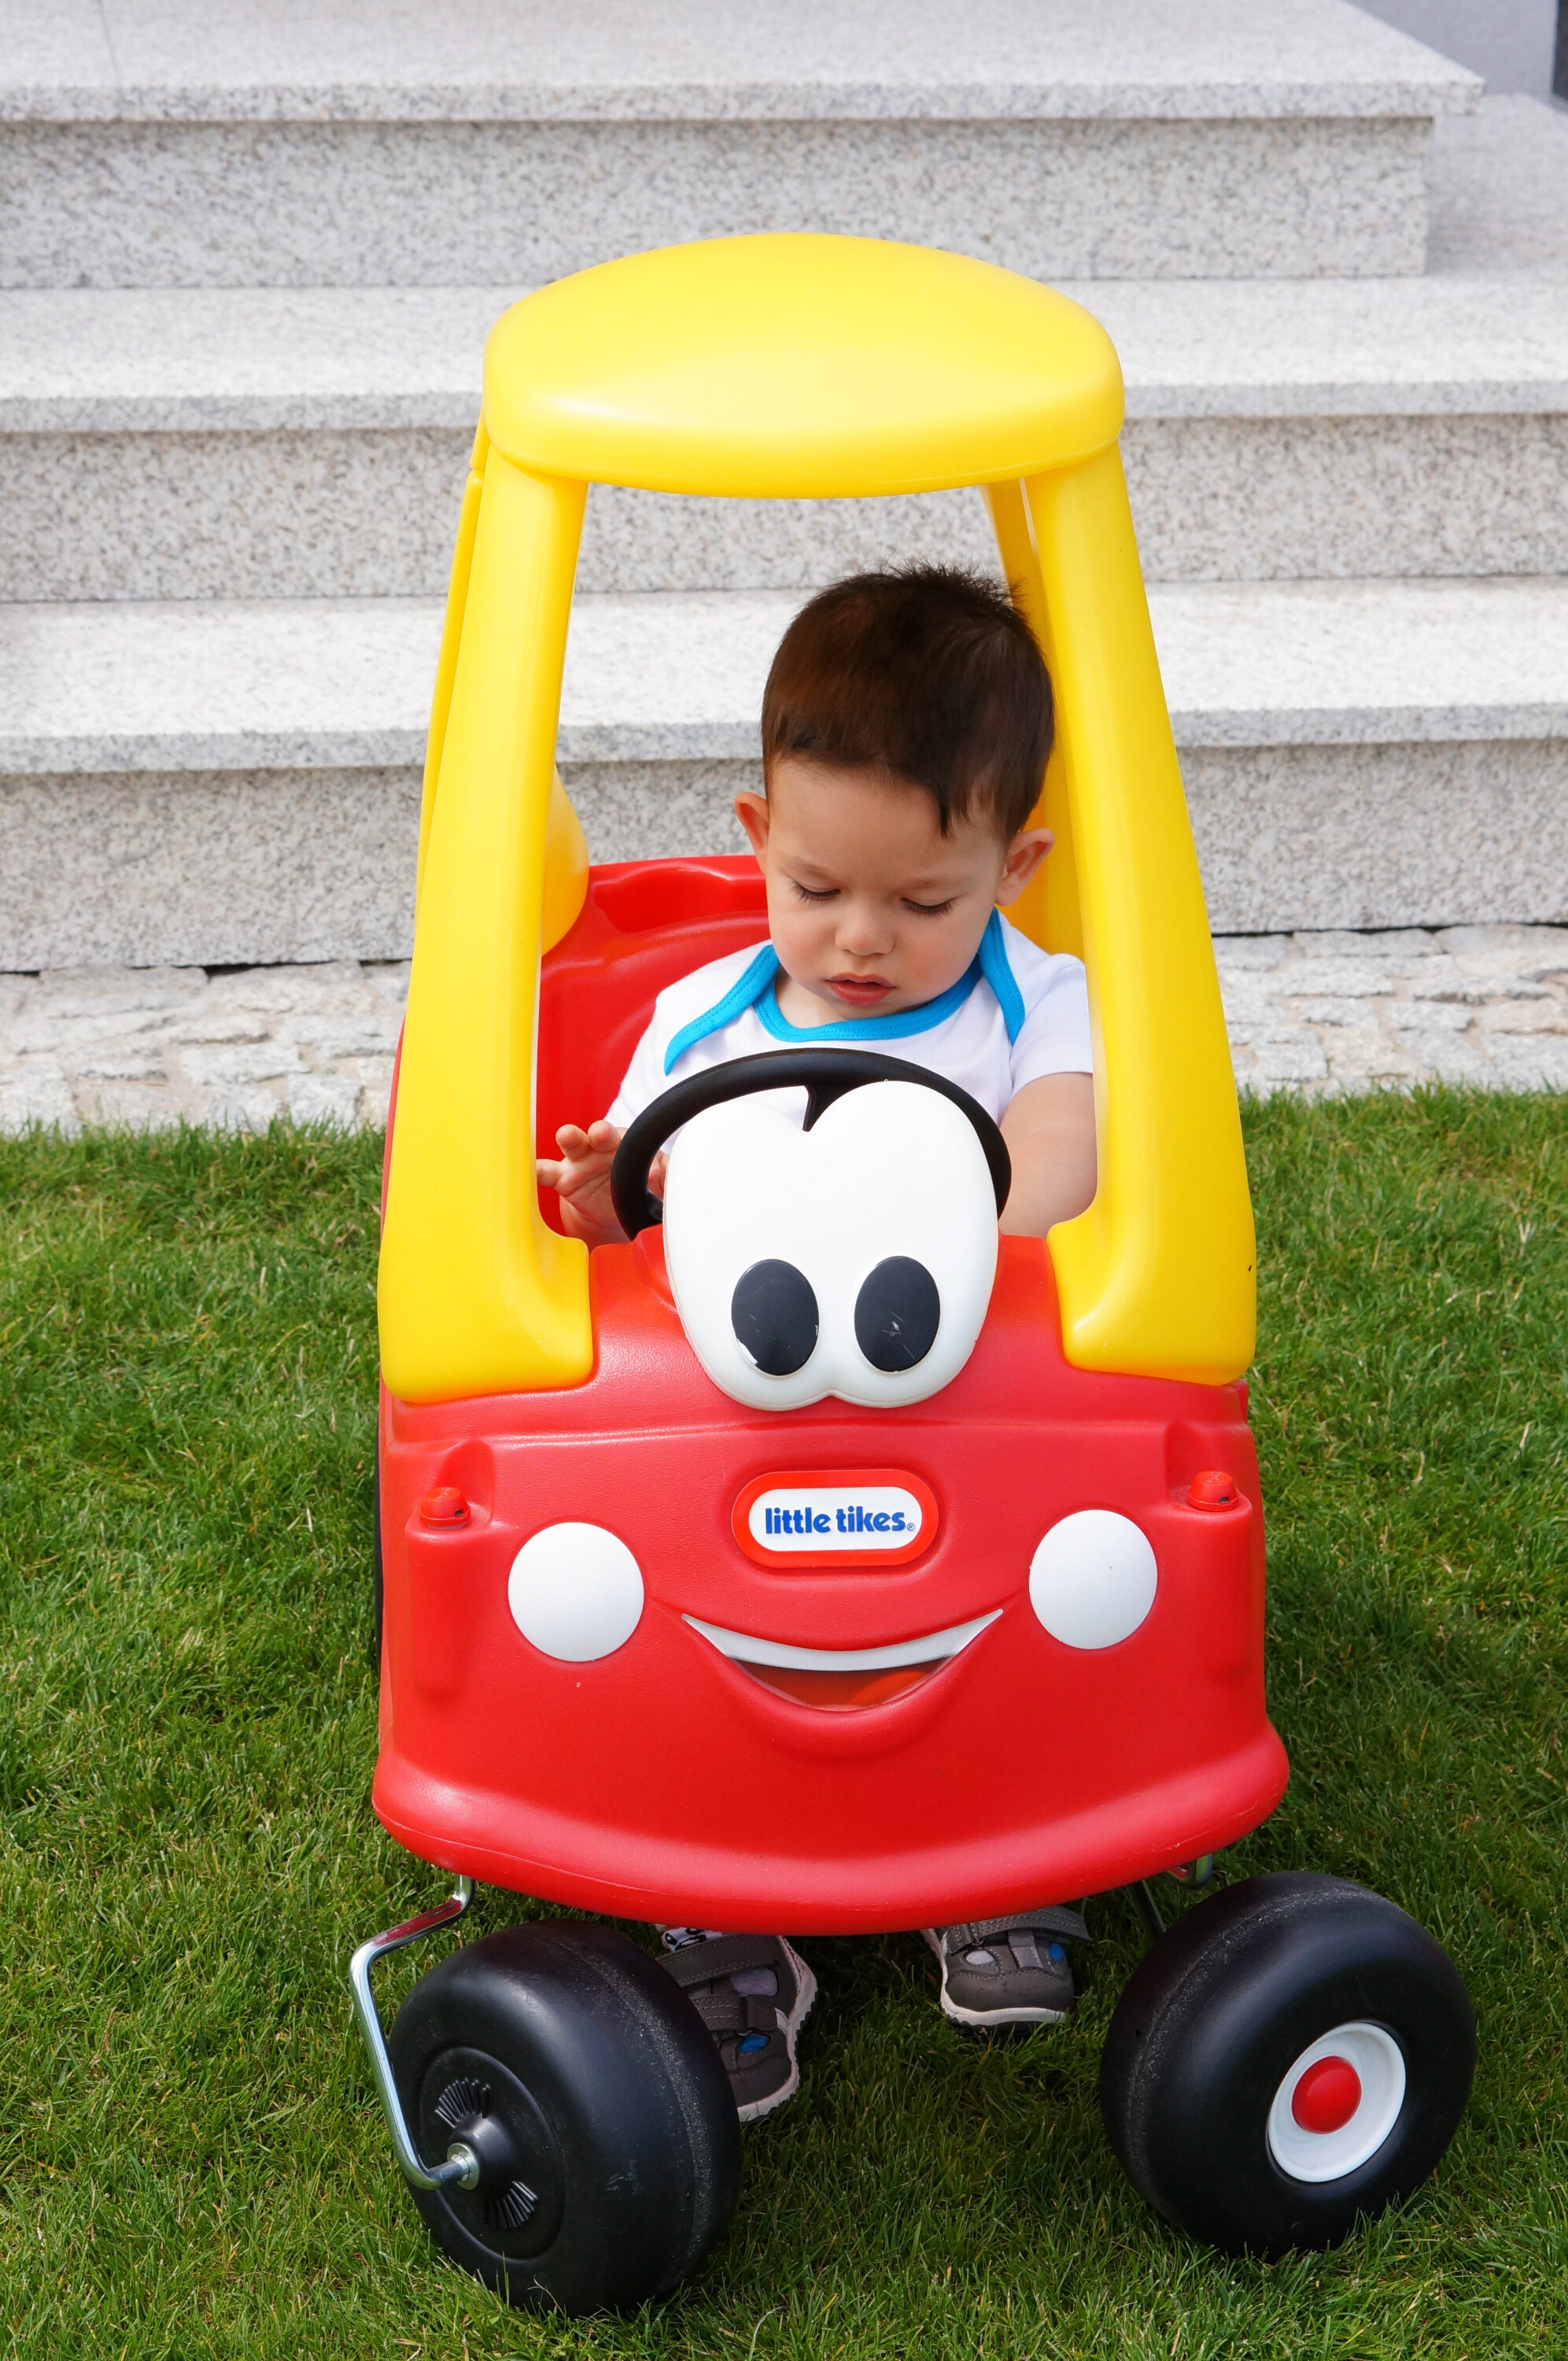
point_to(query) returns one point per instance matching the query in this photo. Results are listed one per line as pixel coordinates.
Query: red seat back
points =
(644, 924)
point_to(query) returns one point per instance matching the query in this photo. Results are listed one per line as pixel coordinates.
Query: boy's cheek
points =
(799, 938)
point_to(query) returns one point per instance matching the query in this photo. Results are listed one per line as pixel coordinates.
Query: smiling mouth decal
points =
(842, 1679)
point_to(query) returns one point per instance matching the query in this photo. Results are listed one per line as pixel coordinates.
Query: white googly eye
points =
(1092, 1580)
(739, 1247)
(576, 1592)
(912, 1242)
(854, 1259)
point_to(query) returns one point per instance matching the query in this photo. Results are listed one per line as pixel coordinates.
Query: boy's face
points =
(870, 909)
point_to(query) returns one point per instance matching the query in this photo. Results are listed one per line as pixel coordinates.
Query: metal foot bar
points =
(462, 2165)
(1148, 1909)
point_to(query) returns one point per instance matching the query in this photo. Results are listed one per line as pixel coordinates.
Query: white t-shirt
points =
(1018, 1014)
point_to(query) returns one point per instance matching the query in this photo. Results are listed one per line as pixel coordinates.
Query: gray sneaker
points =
(753, 1992)
(1008, 1970)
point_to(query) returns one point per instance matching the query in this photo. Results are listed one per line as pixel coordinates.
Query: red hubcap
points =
(1327, 2095)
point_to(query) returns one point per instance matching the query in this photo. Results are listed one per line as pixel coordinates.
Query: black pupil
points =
(897, 1315)
(773, 1314)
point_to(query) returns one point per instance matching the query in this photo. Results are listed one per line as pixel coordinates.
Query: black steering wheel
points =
(824, 1074)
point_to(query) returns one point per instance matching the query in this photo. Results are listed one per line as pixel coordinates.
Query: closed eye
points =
(930, 909)
(819, 893)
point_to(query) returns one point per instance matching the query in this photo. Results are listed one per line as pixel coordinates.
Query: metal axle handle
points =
(462, 2165)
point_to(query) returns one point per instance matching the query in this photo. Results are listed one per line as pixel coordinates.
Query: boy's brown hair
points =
(931, 673)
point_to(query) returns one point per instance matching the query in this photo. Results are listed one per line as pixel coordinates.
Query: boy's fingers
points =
(601, 1138)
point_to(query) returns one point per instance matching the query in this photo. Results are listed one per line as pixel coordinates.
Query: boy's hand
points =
(581, 1180)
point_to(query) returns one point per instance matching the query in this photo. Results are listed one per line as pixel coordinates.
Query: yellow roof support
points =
(476, 1295)
(1159, 1276)
(799, 367)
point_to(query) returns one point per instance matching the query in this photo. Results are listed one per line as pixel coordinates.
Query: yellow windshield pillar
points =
(1157, 1279)
(565, 848)
(1047, 910)
(477, 1295)
(451, 640)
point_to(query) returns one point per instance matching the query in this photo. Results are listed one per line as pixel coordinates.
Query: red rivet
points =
(1212, 1490)
(1327, 2095)
(445, 1506)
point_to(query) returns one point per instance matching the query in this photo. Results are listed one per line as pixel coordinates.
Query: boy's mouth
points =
(859, 991)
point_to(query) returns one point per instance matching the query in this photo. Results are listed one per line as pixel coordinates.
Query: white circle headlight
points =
(1092, 1580)
(576, 1592)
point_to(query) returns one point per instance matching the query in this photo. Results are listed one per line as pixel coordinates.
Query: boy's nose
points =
(863, 934)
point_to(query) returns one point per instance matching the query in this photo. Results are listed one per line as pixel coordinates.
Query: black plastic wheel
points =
(594, 2095)
(1212, 2093)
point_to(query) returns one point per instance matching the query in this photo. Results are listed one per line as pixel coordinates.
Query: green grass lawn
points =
(193, 2160)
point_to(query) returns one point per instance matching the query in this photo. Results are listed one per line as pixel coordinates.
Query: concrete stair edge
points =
(187, 64)
(202, 360)
(1208, 138)
(272, 815)
(673, 677)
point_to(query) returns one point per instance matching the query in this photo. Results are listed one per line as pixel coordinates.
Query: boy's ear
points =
(751, 811)
(1025, 855)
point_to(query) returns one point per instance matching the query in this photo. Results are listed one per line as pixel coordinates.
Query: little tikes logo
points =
(837, 1516)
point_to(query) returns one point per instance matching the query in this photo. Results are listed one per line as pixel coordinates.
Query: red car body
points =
(666, 1781)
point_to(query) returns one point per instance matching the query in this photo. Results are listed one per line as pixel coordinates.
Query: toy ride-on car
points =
(821, 1560)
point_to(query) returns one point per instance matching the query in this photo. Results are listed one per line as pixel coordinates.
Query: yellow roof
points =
(798, 367)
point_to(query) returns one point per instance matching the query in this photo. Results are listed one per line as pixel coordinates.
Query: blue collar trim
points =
(757, 987)
(997, 970)
(897, 1028)
(755, 979)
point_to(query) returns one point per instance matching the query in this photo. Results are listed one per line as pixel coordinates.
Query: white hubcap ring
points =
(1338, 2104)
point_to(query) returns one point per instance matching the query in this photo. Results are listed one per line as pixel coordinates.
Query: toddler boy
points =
(906, 723)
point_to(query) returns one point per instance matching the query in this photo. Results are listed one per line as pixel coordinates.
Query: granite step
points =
(350, 146)
(230, 784)
(1342, 428)
(292, 442)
